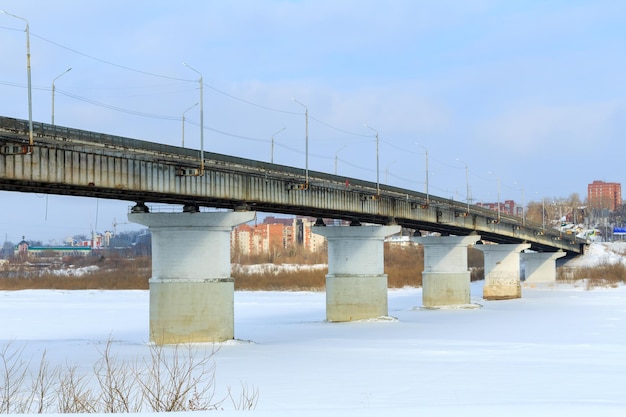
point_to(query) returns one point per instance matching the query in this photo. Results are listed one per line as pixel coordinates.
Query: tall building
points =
(604, 195)
(276, 233)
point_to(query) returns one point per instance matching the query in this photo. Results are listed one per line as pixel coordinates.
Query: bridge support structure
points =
(502, 270)
(446, 277)
(356, 283)
(540, 267)
(191, 289)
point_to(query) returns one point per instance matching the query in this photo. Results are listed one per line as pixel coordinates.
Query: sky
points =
(554, 352)
(525, 97)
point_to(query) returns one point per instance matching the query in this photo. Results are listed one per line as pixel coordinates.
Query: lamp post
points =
(498, 198)
(466, 183)
(274, 134)
(201, 118)
(30, 100)
(306, 134)
(59, 76)
(498, 202)
(426, 150)
(183, 118)
(387, 172)
(337, 156)
(523, 209)
(377, 160)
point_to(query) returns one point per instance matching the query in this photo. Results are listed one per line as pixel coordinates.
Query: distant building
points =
(276, 233)
(604, 195)
(24, 251)
(506, 207)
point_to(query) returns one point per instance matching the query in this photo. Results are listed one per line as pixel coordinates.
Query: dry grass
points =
(112, 274)
(304, 280)
(403, 266)
(604, 275)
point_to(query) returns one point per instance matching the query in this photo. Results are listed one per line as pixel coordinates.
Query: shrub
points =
(603, 275)
(169, 379)
(114, 274)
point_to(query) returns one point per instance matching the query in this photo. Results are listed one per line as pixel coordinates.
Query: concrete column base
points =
(540, 267)
(191, 311)
(446, 278)
(191, 290)
(356, 284)
(502, 290)
(445, 289)
(502, 271)
(356, 297)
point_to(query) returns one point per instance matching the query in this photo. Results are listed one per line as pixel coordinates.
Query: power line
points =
(152, 74)
(116, 108)
(337, 128)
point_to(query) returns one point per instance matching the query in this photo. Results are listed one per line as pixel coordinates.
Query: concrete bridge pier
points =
(191, 289)
(540, 267)
(502, 271)
(356, 284)
(446, 277)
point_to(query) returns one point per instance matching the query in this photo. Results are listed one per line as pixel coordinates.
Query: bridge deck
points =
(81, 163)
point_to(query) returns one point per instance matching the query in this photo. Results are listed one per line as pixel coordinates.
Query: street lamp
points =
(201, 118)
(59, 76)
(30, 100)
(426, 150)
(274, 134)
(387, 171)
(306, 133)
(498, 202)
(377, 160)
(183, 143)
(337, 156)
(523, 206)
(466, 183)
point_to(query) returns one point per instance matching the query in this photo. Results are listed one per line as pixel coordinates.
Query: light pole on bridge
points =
(201, 118)
(337, 156)
(183, 142)
(466, 183)
(274, 134)
(306, 134)
(426, 151)
(523, 206)
(377, 160)
(59, 76)
(30, 100)
(498, 202)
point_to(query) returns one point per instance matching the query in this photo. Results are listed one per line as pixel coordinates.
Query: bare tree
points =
(178, 382)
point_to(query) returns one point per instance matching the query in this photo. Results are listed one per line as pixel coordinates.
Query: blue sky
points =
(528, 92)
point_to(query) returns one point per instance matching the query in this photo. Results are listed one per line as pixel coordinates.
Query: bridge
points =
(66, 161)
(82, 163)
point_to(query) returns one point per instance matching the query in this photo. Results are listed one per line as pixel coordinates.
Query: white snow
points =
(75, 272)
(274, 268)
(602, 253)
(555, 351)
